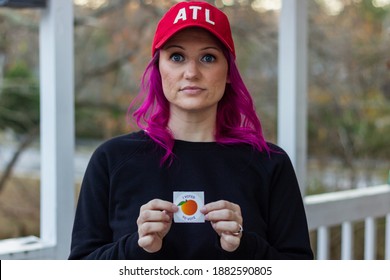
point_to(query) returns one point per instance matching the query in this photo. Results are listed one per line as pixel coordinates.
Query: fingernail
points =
(203, 209)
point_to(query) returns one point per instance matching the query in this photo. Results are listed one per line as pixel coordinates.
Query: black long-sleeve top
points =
(125, 172)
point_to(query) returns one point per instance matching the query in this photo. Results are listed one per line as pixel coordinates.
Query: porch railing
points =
(344, 209)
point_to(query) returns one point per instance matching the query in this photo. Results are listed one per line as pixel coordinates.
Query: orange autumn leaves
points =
(188, 207)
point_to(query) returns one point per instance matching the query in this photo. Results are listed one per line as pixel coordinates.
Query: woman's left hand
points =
(226, 220)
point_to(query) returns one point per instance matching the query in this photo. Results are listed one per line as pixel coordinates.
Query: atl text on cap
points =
(182, 14)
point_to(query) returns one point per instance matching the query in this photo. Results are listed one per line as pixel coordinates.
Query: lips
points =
(191, 89)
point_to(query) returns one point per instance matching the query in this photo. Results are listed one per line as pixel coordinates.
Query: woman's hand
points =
(154, 222)
(226, 220)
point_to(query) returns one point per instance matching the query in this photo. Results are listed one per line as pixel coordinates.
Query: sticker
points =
(189, 204)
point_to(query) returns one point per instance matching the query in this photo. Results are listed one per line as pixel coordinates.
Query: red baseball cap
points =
(193, 14)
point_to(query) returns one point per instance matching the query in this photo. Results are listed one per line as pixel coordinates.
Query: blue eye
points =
(177, 57)
(208, 58)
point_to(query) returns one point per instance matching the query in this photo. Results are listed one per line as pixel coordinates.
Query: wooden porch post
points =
(292, 84)
(57, 125)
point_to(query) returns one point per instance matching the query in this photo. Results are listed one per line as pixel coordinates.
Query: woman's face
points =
(193, 70)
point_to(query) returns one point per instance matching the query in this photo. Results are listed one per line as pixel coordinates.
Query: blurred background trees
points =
(348, 91)
(349, 112)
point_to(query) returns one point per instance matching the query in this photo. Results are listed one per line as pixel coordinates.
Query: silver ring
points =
(239, 231)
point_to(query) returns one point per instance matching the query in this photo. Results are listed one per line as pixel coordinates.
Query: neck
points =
(193, 126)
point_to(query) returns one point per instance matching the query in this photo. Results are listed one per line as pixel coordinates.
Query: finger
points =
(150, 243)
(239, 231)
(146, 241)
(170, 214)
(153, 216)
(158, 204)
(220, 204)
(224, 215)
(152, 227)
(230, 242)
(234, 218)
(228, 227)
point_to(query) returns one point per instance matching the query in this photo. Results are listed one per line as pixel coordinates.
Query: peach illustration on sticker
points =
(189, 204)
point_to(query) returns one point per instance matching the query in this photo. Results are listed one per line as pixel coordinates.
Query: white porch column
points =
(57, 125)
(292, 84)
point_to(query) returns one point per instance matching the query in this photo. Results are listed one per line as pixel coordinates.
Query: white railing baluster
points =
(387, 238)
(341, 208)
(322, 243)
(347, 241)
(370, 239)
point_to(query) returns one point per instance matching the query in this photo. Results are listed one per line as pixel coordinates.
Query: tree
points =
(348, 109)
(19, 110)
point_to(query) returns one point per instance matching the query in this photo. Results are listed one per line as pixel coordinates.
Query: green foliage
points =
(364, 132)
(348, 110)
(370, 12)
(19, 99)
(315, 187)
(86, 123)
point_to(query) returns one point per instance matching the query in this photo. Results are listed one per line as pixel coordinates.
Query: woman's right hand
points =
(154, 222)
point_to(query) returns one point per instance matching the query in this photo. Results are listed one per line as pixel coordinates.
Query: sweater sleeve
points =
(287, 230)
(92, 237)
(288, 235)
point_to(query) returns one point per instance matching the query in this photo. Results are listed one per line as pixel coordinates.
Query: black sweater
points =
(125, 173)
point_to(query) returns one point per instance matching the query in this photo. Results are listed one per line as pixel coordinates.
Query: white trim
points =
(330, 209)
(292, 85)
(29, 247)
(57, 125)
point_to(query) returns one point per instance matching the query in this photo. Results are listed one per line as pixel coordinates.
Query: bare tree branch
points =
(104, 10)
(103, 70)
(27, 140)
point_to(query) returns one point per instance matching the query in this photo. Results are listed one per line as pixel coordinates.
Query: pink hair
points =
(237, 121)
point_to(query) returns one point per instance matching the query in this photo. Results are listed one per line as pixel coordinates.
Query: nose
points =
(191, 70)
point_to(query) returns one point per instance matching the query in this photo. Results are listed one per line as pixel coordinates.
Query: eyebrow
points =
(173, 46)
(203, 49)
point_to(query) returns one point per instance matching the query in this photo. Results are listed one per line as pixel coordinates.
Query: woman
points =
(198, 181)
